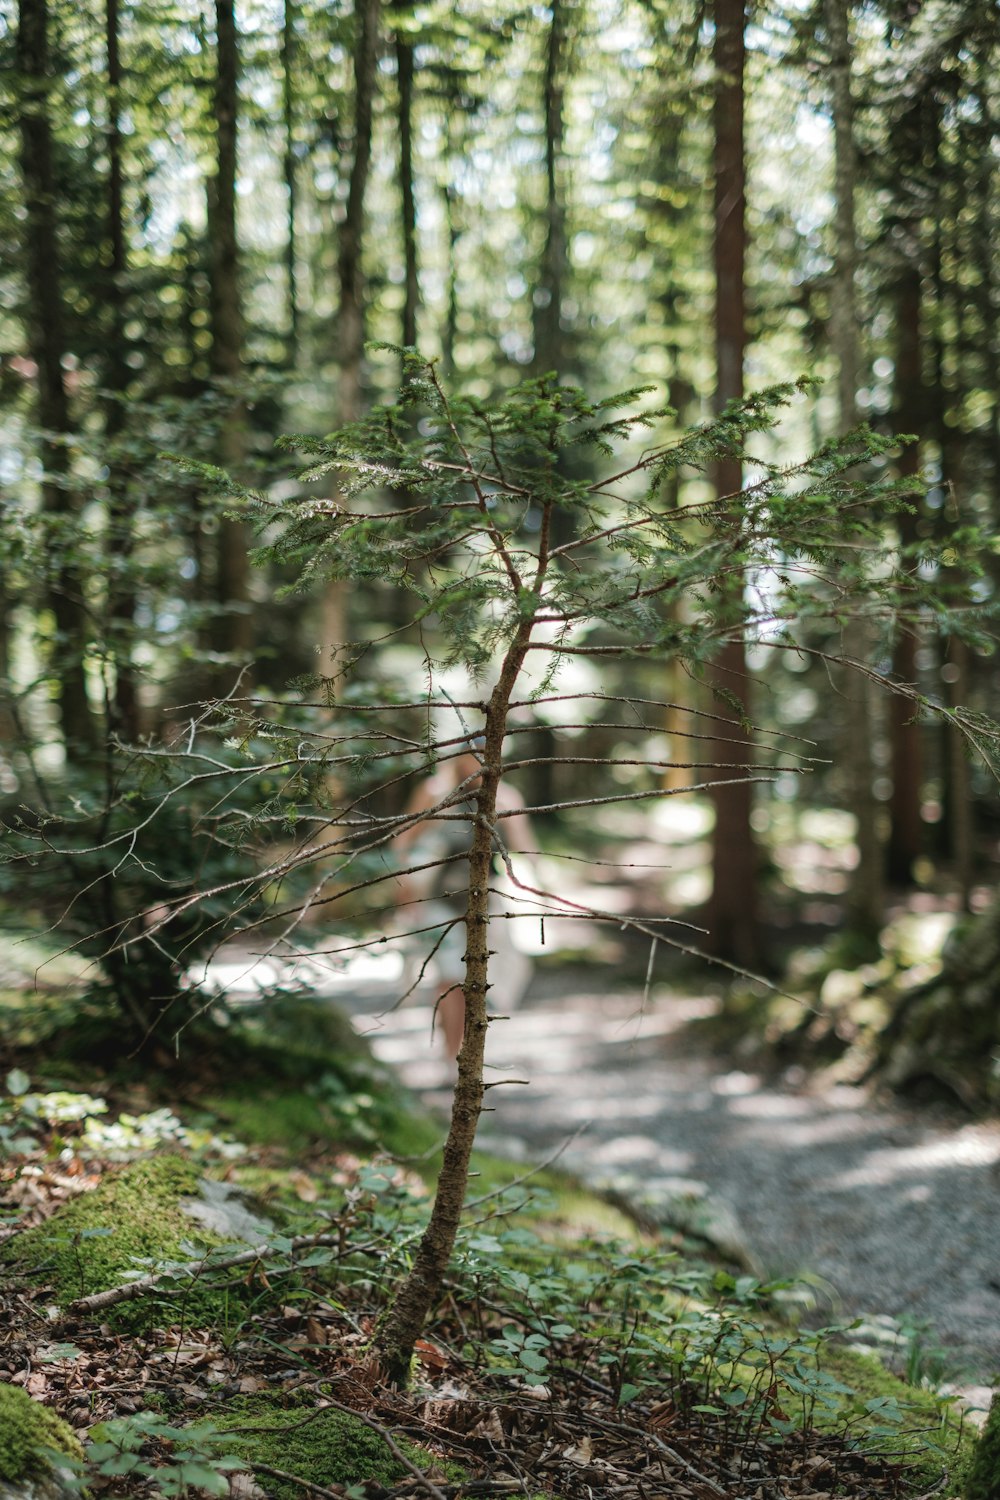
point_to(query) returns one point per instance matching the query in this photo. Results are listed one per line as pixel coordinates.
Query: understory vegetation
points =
(196, 1307)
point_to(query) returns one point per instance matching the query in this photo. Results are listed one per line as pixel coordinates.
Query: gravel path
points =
(896, 1210)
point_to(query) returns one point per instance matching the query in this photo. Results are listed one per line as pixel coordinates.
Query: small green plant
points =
(181, 1461)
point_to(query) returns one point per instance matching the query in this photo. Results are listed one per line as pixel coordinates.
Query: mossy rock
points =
(983, 1481)
(326, 1447)
(26, 1429)
(101, 1238)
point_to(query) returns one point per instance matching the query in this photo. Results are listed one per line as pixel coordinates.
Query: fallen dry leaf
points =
(305, 1187)
(581, 1452)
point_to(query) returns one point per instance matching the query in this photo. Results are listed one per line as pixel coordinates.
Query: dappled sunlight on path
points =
(894, 1210)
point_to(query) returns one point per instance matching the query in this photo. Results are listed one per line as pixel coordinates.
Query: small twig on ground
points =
(133, 1290)
(393, 1447)
(326, 1492)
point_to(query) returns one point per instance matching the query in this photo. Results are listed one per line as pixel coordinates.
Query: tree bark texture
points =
(405, 1321)
(734, 933)
(233, 632)
(46, 340)
(864, 905)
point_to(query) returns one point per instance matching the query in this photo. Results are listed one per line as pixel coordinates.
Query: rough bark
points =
(46, 340)
(864, 904)
(732, 908)
(405, 1321)
(232, 635)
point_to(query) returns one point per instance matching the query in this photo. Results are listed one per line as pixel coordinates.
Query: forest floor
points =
(285, 1358)
(890, 1210)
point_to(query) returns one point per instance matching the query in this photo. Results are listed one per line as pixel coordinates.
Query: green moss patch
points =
(27, 1428)
(101, 1238)
(321, 1446)
(930, 1433)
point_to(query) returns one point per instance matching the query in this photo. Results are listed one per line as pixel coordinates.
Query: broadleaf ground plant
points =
(519, 575)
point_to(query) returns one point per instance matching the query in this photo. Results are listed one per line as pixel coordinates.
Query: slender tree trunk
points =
(547, 308)
(334, 624)
(350, 314)
(864, 905)
(411, 284)
(233, 633)
(910, 415)
(405, 1321)
(123, 706)
(291, 181)
(732, 910)
(905, 827)
(46, 340)
(449, 331)
(551, 355)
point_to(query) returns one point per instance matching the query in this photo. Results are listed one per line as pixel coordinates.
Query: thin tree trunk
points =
(46, 340)
(350, 315)
(732, 909)
(291, 184)
(334, 623)
(123, 706)
(411, 284)
(905, 827)
(864, 905)
(547, 307)
(449, 331)
(233, 633)
(404, 1324)
(549, 337)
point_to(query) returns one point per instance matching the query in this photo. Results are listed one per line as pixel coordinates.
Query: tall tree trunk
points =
(291, 182)
(734, 932)
(411, 285)
(46, 340)
(907, 225)
(449, 331)
(232, 635)
(864, 905)
(350, 278)
(350, 312)
(551, 355)
(123, 705)
(547, 306)
(905, 827)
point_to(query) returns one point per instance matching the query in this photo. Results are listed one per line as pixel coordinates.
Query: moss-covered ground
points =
(320, 1445)
(131, 1223)
(569, 1348)
(27, 1429)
